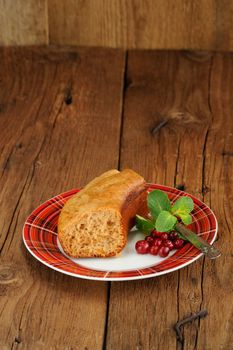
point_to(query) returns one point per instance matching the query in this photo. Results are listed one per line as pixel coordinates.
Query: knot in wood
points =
(11, 279)
(7, 274)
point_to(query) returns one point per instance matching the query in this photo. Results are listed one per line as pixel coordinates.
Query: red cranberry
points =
(157, 242)
(178, 243)
(149, 239)
(168, 243)
(154, 250)
(173, 235)
(155, 233)
(142, 247)
(164, 236)
(163, 251)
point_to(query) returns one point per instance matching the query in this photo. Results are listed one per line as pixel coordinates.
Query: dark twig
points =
(159, 126)
(200, 314)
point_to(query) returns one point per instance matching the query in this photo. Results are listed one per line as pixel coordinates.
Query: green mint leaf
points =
(144, 225)
(158, 201)
(165, 221)
(182, 206)
(186, 218)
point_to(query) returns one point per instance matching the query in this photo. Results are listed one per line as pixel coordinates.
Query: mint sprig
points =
(165, 221)
(186, 218)
(182, 206)
(164, 214)
(144, 225)
(166, 217)
(158, 201)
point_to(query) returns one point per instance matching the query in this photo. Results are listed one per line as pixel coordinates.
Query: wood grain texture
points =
(218, 194)
(194, 149)
(49, 144)
(60, 110)
(148, 24)
(184, 24)
(23, 23)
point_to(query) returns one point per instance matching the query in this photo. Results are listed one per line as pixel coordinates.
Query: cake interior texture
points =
(97, 233)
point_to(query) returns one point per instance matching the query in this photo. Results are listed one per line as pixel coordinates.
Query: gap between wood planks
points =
(180, 346)
(204, 188)
(124, 89)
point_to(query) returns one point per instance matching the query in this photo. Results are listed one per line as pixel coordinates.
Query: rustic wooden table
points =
(67, 115)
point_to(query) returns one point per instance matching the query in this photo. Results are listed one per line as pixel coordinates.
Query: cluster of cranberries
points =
(159, 243)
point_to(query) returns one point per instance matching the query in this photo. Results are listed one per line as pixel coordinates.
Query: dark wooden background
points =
(66, 115)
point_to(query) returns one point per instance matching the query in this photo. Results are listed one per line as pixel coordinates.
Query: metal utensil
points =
(209, 250)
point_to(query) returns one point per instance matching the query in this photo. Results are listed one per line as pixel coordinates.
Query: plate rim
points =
(128, 278)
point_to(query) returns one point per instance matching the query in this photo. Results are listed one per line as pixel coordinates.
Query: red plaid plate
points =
(40, 238)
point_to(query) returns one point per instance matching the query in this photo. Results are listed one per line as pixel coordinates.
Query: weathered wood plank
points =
(187, 90)
(118, 23)
(217, 286)
(60, 117)
(145, 24)
(23, 23)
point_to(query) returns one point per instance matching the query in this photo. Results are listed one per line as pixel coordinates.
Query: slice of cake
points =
(95, 222)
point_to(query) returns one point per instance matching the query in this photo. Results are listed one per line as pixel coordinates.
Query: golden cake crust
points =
(118, 197)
